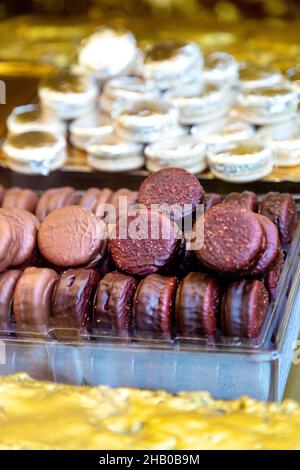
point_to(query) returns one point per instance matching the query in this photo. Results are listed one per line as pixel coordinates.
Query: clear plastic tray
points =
(225, 367)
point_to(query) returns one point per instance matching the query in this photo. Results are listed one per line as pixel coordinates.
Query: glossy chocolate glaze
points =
(32, 298)
(271, 250)
(154, 304)
(244, 307)
(246, 199)
(8, 280)
(113, 303)
(72, 298)
(281, 209)
(197, 303)
(19, 198)
(143, 254)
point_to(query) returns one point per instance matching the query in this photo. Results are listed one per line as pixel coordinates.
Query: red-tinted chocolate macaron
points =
(33, 297)
(113, 303)
(95, 200)
(72, 236)
(18, 198)
(271, 249)
(73, 298)
(273, 276)
(211, 199)
(197, 302)
(25, 228)
(244, 307)
(172, 186)
(8, 280)
(281, 209)
(54, 199)
(246, 199)
(233, 239)
(144, 245)
(154, 305)
(9, 246)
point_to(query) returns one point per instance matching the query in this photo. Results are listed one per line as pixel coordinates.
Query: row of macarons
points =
(158, 307)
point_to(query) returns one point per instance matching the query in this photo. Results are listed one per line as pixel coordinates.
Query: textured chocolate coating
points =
(246, 199)
(8, 281)
(211, 199)
(72, 236)
(271, 250)
(143, 254)
(32, 298)
(94, 199)
(281, 209)
(18, 198)
(8, 244)
(233, 239)
(25, 227)
(197, 302)
(244, 307)
(172, 186)
(54, 199)
(113, 303)
(121, 210)
(273, 276)
(72, 298)
(154, 304)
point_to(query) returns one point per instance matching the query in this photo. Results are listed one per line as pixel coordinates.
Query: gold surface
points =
(41, 415)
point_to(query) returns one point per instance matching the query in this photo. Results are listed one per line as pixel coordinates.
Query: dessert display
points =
(130, 419)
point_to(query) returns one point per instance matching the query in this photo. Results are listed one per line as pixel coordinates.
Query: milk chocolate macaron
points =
(244, 307)
(122, 200)
(273, 276)
(2, 192)
(211, 199)
(8, 281)
(18, 198)
(172, 186)
(246, 199)
(154, 305)
(24, 226)
(271, 248)
(281, 209)
(145, 245)
(95, 200)
(197, 302)
(72, 298)
(55, 198)
(9, 246)
(72, 236)
(32, 298)
(113, 303)
(233, 239)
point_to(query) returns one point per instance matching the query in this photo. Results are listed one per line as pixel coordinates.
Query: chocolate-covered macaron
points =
(24, 226)
(9, 245)
(273, 276)
(32, 298)
(281, 209)
(233, 239)
(95, 199)
(113, 303)
(2, 192)
(145, 245)
(154, 305)
(246, 199)
(55, 198)
(211, 199)
(197, 302)
(72, 236)
(244, 307)
(18, 198)
(73, 298)
(8, 280)
(172, 186)
(271, 248)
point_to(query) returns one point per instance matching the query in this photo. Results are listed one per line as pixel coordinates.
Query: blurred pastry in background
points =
(89, 127)
(31, 117)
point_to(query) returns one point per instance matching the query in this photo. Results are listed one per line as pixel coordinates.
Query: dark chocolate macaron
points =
(211, 199)
(233, 239)
(145, 244)
(55, 198)
(281, 209)
(246, 199)
(197, 302)
(154, 305)
(273, 276)
(18, 198)
(8, 280)
(9, 245)
(32, 298)
(244, 307)
(174, 187)
(271, 249)
(72, 236)
(113, 303)
(73, 298)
